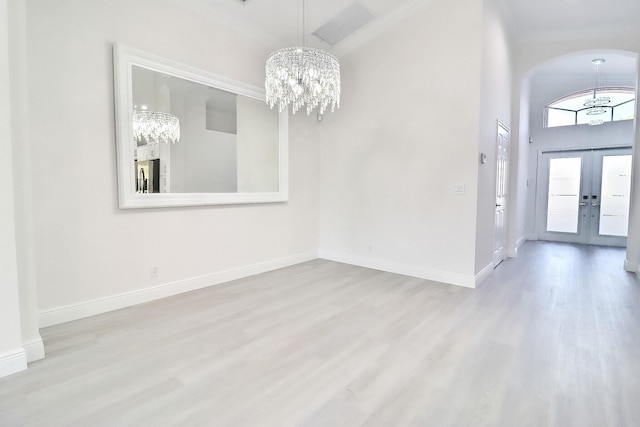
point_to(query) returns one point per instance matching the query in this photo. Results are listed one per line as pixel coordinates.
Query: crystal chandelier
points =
(155, 126)
(302, 76)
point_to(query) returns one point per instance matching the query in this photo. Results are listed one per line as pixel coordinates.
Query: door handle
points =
(594, 204)
(583, 203)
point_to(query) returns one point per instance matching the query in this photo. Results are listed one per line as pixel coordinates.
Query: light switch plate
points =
(458, 188)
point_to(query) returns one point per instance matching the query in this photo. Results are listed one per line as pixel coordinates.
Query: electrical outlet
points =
(155, 270)
(458, 188)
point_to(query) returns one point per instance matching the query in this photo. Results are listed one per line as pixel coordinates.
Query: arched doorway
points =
(540, 86)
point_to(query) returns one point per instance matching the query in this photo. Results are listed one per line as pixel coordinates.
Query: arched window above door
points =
(612, 104)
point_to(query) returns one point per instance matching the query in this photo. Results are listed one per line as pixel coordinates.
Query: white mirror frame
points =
(124, 59)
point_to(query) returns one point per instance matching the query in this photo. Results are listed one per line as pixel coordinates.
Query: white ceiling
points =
(276, 21)
(544, 18)
(618, 69)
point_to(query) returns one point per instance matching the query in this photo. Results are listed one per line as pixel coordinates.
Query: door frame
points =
(500, 237)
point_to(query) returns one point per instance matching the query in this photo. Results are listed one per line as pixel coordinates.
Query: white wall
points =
(495, 103)
(86, 249)
(632, 261)
(406, 133)
(519, 187)
(12, 355)
(25, 243)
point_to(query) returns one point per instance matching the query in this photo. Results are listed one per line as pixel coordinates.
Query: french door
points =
(583, 196)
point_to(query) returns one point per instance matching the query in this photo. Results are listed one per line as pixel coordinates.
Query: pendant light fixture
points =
(302, 76)
(597, 103)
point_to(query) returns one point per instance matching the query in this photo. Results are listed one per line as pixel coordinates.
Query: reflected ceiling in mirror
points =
(199, 138)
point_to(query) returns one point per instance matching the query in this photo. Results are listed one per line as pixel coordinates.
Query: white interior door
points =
(502, 174)
(583, 196)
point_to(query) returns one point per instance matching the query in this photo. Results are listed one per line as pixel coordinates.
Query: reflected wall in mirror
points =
(232, 148)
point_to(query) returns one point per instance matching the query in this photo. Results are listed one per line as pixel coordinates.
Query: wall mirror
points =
(186, 137)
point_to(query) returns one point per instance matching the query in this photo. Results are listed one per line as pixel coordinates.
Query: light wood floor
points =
(552, 338)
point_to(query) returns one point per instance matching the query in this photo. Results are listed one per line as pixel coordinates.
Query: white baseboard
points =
(631, 267)
(34, 349)
(12, 362)
(513, 252)
(68, 313)
(404, 269)
(483, 274)
(521, 242)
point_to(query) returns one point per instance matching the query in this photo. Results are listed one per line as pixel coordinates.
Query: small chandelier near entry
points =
(302, 76)
(155, 126)
(597, 103)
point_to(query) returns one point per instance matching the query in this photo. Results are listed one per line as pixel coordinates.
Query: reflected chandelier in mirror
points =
(186, 137)
(150, 126)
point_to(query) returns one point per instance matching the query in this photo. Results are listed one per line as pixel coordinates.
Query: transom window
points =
(609, 104)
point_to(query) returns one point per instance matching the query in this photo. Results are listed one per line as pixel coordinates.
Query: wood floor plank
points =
(552, 338)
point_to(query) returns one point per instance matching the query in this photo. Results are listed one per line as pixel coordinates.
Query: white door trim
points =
(502, 150)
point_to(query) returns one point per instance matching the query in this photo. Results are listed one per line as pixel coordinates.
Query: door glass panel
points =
(564, 194)
(616, 190)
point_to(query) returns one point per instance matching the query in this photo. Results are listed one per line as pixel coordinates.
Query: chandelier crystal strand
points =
(302, 76)
(155, 126)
